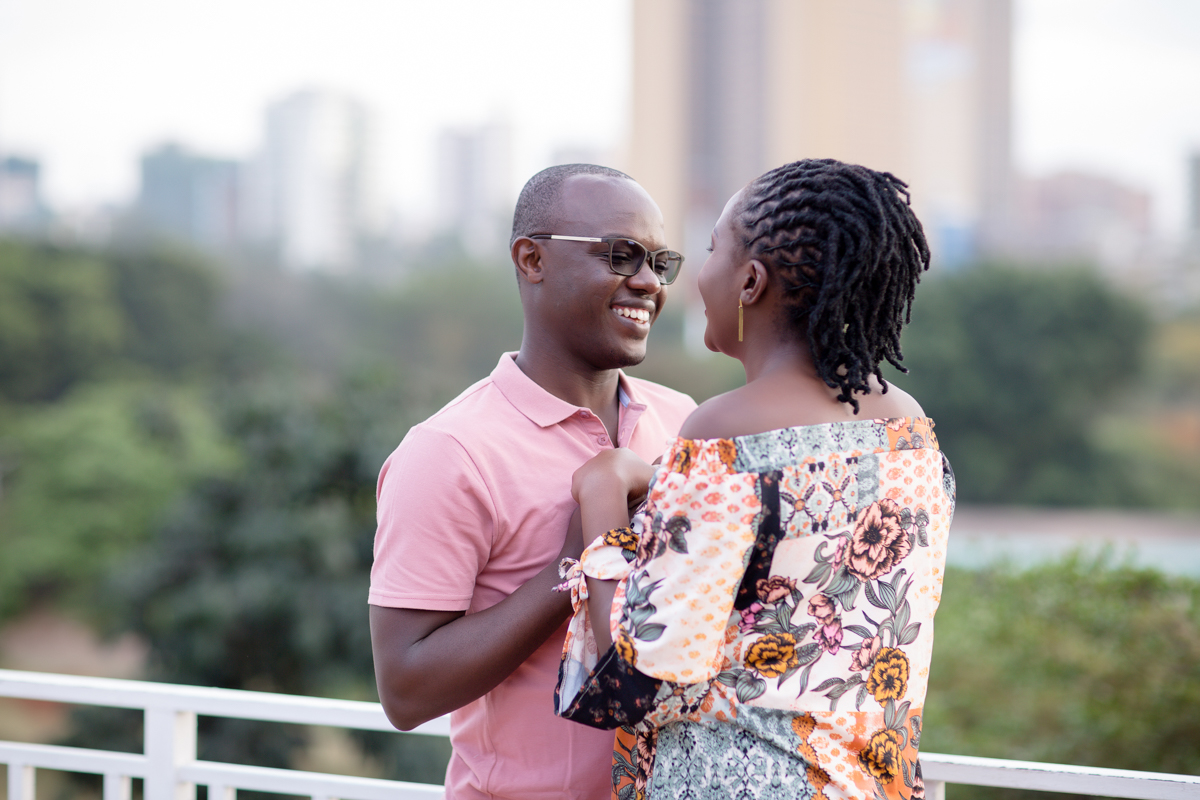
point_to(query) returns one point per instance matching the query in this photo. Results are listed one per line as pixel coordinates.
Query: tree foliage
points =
(86, 480)
(69, 316)
(1015, 366)
(258, 579)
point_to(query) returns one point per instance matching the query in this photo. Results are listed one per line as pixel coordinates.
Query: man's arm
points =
(428, 663)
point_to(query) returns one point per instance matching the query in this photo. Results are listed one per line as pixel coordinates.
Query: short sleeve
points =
(436, 524)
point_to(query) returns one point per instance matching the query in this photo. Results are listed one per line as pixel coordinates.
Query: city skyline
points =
(1091, 92)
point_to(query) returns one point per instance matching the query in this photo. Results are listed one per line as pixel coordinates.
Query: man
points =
(474, 504)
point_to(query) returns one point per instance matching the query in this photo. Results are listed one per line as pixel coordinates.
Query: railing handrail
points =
(204, 700)
(171, 710)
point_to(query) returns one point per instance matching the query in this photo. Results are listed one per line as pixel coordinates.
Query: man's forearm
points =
(462, 659)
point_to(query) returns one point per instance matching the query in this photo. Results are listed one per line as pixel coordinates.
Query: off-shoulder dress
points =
(773, 623)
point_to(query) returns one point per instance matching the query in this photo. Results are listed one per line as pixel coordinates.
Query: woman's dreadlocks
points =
(848, 252)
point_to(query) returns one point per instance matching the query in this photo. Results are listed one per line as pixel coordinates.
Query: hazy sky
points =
(1112, 86)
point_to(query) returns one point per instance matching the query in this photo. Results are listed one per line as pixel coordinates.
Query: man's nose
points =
(645, 280)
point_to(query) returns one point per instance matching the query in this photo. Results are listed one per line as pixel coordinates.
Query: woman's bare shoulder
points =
(894, 403)
(716, 418)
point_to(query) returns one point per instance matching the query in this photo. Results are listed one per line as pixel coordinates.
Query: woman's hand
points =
(608, 487)
(616, 471)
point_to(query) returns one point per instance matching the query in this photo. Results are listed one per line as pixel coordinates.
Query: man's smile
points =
(639, 315)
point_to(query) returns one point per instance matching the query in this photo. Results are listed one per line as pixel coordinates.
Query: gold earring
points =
(739, 319)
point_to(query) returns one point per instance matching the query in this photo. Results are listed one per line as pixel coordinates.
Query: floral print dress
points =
(773, 623)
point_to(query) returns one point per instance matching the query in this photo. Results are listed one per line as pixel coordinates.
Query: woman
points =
(764, 626)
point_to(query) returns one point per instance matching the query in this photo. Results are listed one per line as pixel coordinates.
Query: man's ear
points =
(754, 282)
(527, 257)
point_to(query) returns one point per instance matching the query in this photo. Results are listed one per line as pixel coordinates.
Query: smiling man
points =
(475, 503)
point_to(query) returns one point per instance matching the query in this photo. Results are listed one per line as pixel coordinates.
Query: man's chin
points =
(624, 358)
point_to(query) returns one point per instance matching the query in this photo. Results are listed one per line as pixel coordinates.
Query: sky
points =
(1107, 86)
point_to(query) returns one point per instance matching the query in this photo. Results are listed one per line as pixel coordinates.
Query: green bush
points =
(1075, 662)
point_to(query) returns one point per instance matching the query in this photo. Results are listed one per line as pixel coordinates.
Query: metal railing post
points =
(170, 743)
(935, 790)
(117, 787)
(21, 781)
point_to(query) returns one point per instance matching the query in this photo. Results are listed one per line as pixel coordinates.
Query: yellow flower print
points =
(772, 655)
(623, 538)
(625, 649)
(889, 675)
(881, 756)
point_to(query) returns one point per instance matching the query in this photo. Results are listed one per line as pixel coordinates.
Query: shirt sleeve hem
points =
(418, 602)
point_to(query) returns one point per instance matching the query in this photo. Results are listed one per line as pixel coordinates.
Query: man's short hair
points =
(538, 203)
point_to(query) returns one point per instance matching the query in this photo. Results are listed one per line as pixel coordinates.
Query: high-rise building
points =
(1193, 179)
(726, 89)
(21, 206)
(311, 191)
(474, 190)
(189, 196)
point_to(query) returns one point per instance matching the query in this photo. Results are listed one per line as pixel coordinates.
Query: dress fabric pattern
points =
(773, 627)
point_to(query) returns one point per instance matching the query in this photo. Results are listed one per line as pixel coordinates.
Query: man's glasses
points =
(626, 256)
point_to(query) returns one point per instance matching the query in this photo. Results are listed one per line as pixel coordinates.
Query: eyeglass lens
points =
(626, 257)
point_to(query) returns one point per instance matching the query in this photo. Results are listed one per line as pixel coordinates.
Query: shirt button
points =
(602, 440)
(583, 412)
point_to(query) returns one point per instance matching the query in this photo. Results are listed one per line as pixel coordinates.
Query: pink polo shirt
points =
(473, 503)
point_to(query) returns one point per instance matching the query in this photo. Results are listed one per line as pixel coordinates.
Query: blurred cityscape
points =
(919, 88)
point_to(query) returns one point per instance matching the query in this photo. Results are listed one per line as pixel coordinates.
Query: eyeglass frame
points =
(609, 240)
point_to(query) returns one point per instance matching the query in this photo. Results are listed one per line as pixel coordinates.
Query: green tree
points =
(259, 578)
(88, 478)
(60, 320)
(169, 299)
(1015, 366)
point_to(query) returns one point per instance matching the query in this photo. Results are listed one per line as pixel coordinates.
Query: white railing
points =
(170, 770)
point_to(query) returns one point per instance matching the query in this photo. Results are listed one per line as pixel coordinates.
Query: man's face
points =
(597, 316)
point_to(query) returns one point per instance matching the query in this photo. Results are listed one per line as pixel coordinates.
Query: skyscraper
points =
(1193, 189)
(725, 89)
(474, 190)
(311, 190)
(21, 206)
(189, 196)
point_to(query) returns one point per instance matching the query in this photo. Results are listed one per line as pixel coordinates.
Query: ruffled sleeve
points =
(675, 598)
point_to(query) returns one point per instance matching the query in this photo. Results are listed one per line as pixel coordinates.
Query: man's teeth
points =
(637, 314)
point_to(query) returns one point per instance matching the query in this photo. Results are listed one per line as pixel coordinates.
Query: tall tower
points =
(1193, 178)
(312, 187)
(726, 89)
(474, 185)
(190, 196)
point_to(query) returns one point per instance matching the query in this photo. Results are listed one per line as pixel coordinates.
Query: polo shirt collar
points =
(543, 408)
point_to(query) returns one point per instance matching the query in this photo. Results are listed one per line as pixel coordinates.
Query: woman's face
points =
(719, 281)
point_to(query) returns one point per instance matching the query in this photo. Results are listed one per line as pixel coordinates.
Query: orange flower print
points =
(879, 541)
(772, 655)
(727, 452)
(682, 460)
(625, 649)
(889, 675)
(881, 756)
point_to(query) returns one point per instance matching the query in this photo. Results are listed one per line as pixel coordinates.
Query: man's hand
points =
(428, 663)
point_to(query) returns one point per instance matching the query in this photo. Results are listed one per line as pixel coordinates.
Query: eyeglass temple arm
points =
(566, 238)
